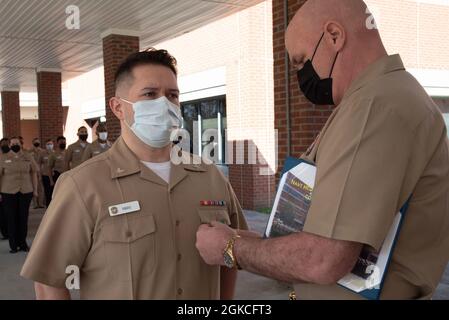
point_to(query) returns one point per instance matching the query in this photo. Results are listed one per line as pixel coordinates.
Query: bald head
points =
(343, 26)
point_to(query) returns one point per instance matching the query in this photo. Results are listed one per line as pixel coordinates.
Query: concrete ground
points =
(249, 286)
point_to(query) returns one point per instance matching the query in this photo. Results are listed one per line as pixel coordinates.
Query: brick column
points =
(50, 104)
(11, 113)
(254, 190)
(306, 120)
(116, 47)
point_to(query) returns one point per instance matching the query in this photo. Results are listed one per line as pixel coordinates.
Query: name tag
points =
(96, 152)
(124, 208)
(77, 150)
(8, 161)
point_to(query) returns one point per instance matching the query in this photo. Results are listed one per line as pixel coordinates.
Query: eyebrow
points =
(157, 88)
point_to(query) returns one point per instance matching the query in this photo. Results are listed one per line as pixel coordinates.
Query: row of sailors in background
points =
(30, 175)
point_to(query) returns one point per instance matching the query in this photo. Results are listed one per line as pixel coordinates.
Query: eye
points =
(150, 94)
(174, 96)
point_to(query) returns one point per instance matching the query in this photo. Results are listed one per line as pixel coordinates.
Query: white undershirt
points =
(161, 169)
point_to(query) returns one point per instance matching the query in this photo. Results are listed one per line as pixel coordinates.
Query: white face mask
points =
(103, 136)
(49, 147)
(154, 121)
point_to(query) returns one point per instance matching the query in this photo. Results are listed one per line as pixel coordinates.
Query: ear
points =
(335, 35)
(116, 106)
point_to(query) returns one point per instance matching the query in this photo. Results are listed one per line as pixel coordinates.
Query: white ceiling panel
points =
(33, 33)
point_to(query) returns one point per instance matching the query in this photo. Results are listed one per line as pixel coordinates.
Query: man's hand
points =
(211, 242)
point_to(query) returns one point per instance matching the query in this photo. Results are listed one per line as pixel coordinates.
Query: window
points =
(207, 117)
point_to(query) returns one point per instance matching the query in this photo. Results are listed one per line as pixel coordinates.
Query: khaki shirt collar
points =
(381, 67)
(124, 163)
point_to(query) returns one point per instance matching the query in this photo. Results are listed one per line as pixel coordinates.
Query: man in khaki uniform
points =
(75, 151)
(131, 230)
(385, 142)
(56, 162)
(46, 171)
(36, 152)
(98, 146)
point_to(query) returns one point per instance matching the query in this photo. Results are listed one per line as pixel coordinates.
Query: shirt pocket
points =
(209, 215)
(130, 251)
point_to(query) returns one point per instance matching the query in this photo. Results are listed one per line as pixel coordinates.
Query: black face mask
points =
(62, 146)
(316, 90)
(15, 148)
(5, 149)
(83, 137)
(36, 144)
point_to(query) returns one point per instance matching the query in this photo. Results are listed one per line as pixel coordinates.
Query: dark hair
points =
(149, 56)
(4, 139)
(60, 138)
(83, 127)
(101, 126)
(35, 139)
(48, 140)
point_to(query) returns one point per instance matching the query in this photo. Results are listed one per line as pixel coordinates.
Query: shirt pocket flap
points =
(138, 228)
(208, 216)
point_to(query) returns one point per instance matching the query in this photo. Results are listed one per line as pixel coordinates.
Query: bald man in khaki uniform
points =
(127, 218)
(385, 143)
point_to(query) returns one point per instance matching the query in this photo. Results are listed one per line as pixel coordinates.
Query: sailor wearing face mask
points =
(75, 151)
(132, 229)
(18, 184)
(4, 145)
(44, 165)
(98, 146)
(56, 160)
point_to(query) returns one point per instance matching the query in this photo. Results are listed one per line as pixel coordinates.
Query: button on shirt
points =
(385, 142)
(132, 255)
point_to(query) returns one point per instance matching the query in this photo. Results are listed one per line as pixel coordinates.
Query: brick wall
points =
(115, 49)
(242, 43)
(417, 31)
(50, 105)
(11, 113)
(30, 130)
(306, 120)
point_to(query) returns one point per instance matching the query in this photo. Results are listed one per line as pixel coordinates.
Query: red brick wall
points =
(50, 105)
(306, 120)
(254, 190)
(115, 49)
(30, 130)
(11, 113)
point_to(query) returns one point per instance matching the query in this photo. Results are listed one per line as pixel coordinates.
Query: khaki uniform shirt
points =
(95, 149)
(148, 253)
(57, 161)
(385, 142)
(44, 162)
(74, 154)
(16, 172)
(36, 153)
